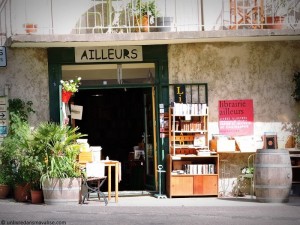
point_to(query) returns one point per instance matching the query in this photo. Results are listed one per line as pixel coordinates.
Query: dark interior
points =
(114, 120)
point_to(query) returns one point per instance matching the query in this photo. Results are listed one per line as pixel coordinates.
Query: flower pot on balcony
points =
(30, 28)
(141, 24)
(275, 22)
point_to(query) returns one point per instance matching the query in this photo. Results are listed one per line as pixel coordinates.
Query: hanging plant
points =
(296, 93)
(71, 85)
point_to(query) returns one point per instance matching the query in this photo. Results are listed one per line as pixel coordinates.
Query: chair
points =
(93, 180)
(247, 175)
(84, 158)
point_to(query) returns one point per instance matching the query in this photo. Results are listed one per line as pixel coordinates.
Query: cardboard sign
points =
(76, 112)
(236, 117)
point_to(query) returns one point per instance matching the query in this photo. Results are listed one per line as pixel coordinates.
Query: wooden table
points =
(109, 164)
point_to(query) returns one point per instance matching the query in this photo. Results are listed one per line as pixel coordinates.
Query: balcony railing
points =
(127, 16)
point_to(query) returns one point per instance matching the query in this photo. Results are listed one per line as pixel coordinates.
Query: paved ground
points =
(150, 210)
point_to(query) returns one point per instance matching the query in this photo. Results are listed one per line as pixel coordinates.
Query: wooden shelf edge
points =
(188, 175)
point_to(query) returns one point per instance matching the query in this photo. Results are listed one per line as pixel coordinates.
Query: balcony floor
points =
(150, 38)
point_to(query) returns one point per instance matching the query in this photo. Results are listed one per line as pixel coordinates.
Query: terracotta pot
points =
(4, 190)
(37, 196)
(66, 95)
(22, 192)
(142, 24)
(274, 23)
(30, 28)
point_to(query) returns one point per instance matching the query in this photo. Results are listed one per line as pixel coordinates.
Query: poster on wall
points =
(236, 117)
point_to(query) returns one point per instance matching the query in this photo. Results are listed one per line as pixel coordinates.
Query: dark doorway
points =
(114, 120)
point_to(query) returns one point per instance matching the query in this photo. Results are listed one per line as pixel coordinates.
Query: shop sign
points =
(3, 56)
(236, 117)
(179, 93)
(108, 54)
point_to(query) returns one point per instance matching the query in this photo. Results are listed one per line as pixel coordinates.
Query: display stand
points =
(159, 195)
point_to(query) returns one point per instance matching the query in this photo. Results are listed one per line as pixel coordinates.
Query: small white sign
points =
(3, 115)
(76, 112)
(3, 123)
(2, 100)
(3, 61)
(3, 108)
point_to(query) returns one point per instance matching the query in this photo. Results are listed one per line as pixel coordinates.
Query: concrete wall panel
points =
(262, 71)
(27, 75)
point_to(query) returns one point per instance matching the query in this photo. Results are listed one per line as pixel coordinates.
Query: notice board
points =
(236, 117)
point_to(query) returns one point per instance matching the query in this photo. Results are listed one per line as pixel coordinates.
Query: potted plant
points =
(61, 174)
(4, 181)
(275, 13)
(30, 28)
(144, 14)
(14, 156)
(13, 151)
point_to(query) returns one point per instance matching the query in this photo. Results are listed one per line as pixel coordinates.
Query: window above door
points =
(110, 74)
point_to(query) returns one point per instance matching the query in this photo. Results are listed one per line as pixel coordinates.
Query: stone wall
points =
(262, 71)
(27, 76)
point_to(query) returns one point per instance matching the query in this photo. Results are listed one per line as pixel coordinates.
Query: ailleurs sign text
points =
(236, 117)
(109, 54)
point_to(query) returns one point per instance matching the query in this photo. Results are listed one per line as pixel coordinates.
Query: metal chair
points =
(247, 175)
(93, 180)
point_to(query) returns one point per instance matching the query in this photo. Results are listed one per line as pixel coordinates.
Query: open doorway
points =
(118, 114)
(114, 120)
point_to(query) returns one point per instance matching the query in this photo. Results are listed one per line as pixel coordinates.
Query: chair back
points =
(95, 169)
(251, 159)
(85, 157)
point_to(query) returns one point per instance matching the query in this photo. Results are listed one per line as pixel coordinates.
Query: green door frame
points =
(151, 54)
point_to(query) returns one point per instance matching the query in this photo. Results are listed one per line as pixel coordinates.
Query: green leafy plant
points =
(20, 108)
(140, 8)
(14, 151)
(59, 150)
(247, 170)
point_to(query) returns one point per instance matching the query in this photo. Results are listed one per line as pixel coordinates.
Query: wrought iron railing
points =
(127, 16)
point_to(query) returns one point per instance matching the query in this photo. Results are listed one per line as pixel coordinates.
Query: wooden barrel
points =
(272, 175)
(62, 191)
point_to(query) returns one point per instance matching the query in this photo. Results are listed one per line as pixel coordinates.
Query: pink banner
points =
(236, 117)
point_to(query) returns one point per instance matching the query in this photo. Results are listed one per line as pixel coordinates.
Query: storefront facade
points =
(261, 71)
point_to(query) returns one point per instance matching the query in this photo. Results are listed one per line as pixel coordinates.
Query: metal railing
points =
(127, 16)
